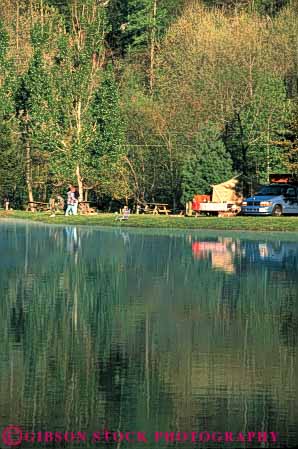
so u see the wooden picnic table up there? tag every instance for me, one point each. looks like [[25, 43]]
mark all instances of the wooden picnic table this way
[[159, 208], [37, 206], [85, 209]]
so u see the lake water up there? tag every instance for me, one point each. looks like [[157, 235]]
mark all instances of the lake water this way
[[147, 331]]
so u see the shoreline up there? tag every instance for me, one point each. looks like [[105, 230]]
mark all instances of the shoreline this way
[[256, 224]]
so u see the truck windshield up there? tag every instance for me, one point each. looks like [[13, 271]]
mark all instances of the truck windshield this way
[[272, 191]]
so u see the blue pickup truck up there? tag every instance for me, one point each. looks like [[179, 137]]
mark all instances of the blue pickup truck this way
[[274, 199]]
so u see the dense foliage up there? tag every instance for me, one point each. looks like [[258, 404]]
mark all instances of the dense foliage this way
[[145, 100]]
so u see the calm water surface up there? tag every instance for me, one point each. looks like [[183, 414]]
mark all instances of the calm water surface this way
[[148, 331]]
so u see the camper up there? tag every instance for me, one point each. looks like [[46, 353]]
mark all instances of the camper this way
[[225, 201]]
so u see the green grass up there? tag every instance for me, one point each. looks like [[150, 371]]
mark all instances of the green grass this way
[[289, 224]]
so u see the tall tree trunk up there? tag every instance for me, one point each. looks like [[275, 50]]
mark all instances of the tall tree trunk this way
[[41, 13], [28, 160], [17, 26], [244, 148], [152, 46], [172, 173], [79, 128], [29, 171], [80, 183], [268, 152], [31, 11]]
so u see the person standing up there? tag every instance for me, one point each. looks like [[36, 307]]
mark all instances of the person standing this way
[[76, 200], [70, 202]]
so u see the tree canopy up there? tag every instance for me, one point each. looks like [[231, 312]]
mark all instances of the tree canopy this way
[[145, 100]]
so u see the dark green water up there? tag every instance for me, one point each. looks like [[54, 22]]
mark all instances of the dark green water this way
[[148, 331]]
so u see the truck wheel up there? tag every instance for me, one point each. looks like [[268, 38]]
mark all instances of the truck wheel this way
[[277, 211]]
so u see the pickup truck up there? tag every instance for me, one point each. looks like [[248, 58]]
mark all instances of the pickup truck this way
[[274, 199]]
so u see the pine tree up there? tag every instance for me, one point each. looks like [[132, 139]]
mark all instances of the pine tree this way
[[137, 27], [208, 163], [34, 105], [108, 147], [250, 137], [11, 158]]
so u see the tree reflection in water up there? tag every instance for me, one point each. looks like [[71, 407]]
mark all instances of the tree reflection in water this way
[[147, 330]]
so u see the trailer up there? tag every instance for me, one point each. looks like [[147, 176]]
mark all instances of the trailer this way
[[225, 201], [220, 209]]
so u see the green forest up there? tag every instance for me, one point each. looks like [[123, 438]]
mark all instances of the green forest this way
[[145, 100]]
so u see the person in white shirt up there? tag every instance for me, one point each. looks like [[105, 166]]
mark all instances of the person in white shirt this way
[[70, 202]]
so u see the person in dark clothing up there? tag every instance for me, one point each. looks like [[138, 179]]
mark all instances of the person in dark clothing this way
[[76, 200]]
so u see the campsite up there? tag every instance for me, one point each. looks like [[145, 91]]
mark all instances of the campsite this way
[[148, 224]]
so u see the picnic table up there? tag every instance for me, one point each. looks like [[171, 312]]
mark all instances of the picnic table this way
[[85, 209], [37, 206], [158, 208]]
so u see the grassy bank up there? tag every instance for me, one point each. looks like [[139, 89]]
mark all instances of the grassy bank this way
[[289, 224]]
